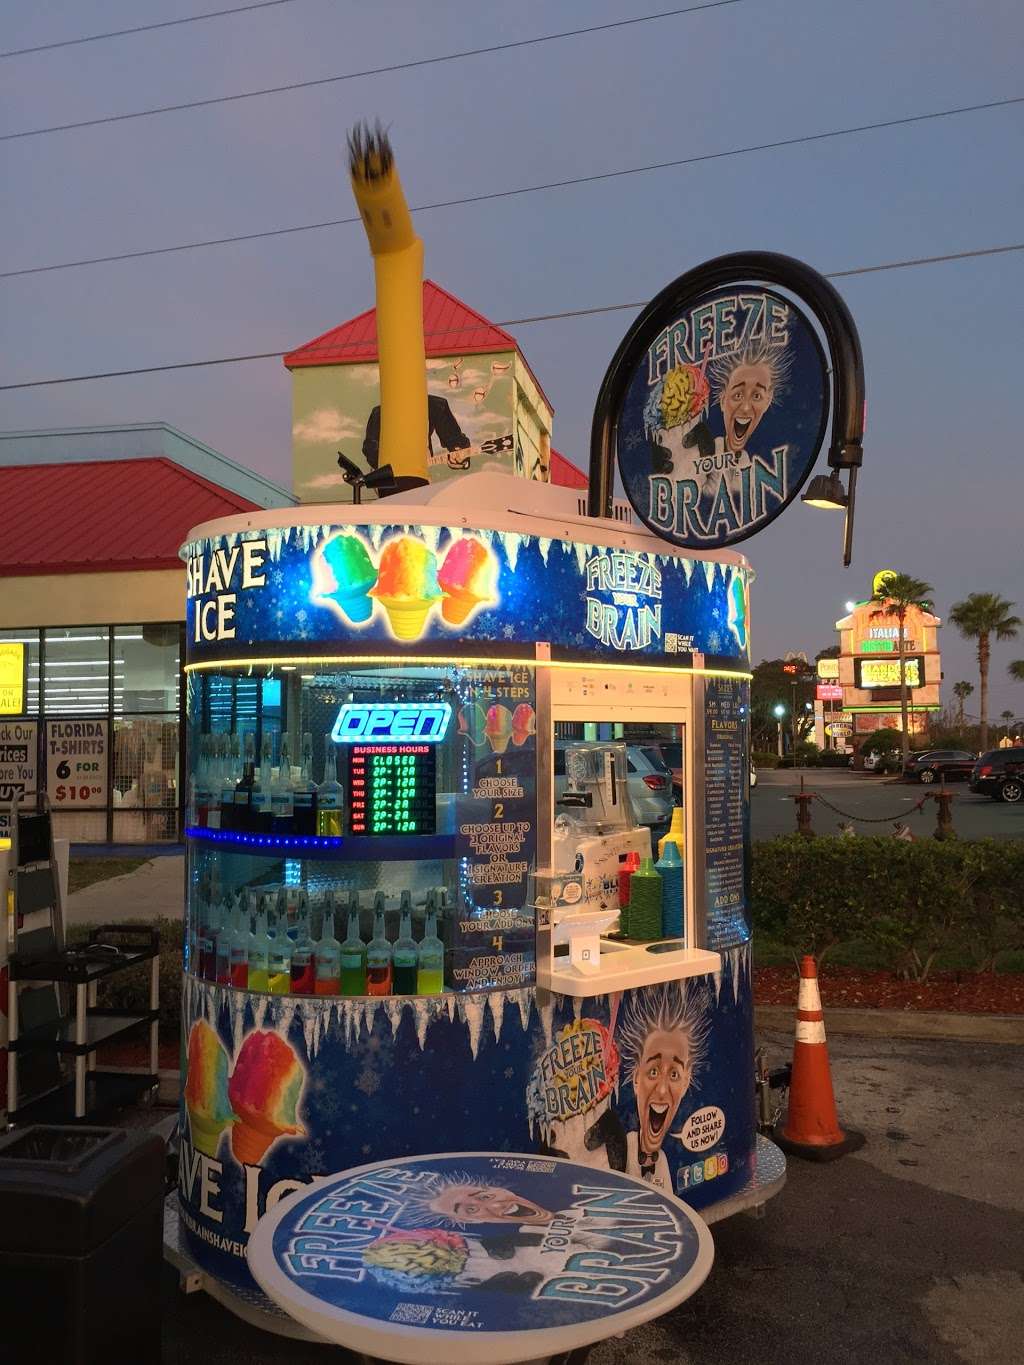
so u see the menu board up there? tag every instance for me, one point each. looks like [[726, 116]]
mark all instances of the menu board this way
[[494, 940], [726, 816], [391, 788]]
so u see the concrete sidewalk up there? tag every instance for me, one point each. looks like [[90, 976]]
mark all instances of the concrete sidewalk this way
[[154, 890]]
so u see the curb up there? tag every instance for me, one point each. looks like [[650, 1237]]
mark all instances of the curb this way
[[871, 1023]]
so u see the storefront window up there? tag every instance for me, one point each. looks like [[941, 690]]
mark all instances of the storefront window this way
[[29, 639], [146, 672], [145, 778], [76, 671], [105, 747]]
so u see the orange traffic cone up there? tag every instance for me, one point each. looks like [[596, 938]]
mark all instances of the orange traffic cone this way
[[811, 1126]]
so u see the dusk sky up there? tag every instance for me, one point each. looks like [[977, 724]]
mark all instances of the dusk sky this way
[[941, 494]]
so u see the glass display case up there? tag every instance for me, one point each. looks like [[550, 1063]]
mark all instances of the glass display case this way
[[346, 821]]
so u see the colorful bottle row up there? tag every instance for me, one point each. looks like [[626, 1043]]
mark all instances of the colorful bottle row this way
[[264, 952], [229, 791]]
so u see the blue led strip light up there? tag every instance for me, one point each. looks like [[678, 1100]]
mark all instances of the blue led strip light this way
[[283, 842], [332, 848]]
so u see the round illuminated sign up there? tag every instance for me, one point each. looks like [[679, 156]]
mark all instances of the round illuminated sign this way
[[723, 415]]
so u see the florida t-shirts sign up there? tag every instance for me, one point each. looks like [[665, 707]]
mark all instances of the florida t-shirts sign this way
[[723, 416]]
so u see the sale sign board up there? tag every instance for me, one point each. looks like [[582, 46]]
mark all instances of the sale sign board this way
[[12, 677], [18, 767], [76, 763]]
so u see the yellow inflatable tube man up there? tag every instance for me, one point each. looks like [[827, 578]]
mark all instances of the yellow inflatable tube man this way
[[398, 268]]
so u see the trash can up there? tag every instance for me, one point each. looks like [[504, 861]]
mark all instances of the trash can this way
[[81, 1219]]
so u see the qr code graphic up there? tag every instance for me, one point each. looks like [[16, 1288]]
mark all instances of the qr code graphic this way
[[671, 642], [416, 1313], [540, 1167]]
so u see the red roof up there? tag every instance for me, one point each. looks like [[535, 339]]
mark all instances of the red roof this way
[[565, 473], [450, 327], [104, 515]]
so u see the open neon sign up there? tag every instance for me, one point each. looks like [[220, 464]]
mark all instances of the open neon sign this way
[[363, 722]]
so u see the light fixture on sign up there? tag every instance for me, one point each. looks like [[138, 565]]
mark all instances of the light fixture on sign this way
[[826, 490], [392, 722]]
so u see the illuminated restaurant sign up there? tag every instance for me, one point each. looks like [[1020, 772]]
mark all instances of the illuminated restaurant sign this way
[[871, 673]]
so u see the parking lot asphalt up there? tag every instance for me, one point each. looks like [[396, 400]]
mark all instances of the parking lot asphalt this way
[[909, 1251], [772, 809]]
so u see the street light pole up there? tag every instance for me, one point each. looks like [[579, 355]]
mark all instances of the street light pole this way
[[778, 710], [793, 721]]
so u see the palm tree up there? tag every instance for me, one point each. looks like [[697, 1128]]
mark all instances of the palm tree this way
[[895, 595], [962, 690], [1016, 669], [978, 617], [1006, 717]]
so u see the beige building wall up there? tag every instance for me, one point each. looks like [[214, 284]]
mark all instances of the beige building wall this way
[[87, 599]]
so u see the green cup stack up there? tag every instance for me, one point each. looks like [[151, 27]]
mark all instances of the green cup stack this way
[[645, 895]]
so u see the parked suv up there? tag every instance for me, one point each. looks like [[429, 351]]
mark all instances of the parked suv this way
[[936, 763], [649, 780], [1000, 774]]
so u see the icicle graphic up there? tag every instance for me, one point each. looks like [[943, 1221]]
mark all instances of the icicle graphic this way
[[376, 535], [709, 572], [577, 1008], [423, 1015], [511, 540], [450, 1002], [274, 544], [309, 1018], [547, 1013], [393, 1008], [524, 999], [471, 1008], [582, 553], [496, 1004], [432, 535], [544, 546]]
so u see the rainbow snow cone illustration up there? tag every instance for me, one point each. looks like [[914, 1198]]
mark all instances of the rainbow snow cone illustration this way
[[467, 578], [206, 1088], [407, 585], [473, 724], [498, 728], [264, 1090], [420, 1260], [343, 575], [524, 723]]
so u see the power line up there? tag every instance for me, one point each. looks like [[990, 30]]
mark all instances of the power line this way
[[141, 28], [519, 190], [372, 71], [508, 322]]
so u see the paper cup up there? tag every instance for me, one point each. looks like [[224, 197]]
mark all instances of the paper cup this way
[[249, 1143], [407, 619], [358, 607], [457, 605], [206, 1133], [499, 743]]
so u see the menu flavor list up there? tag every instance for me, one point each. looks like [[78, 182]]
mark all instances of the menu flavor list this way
[[493, 935], [726, 817]]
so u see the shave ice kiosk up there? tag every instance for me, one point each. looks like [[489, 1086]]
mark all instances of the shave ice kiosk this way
[[433, 902]]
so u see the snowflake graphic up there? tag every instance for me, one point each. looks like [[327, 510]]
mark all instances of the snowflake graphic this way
[[510, 1071], [508, 631], [368, 1082], [632, 440]]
